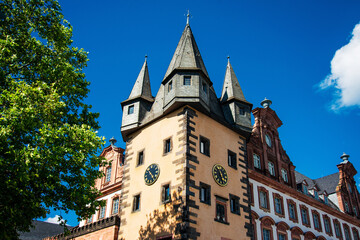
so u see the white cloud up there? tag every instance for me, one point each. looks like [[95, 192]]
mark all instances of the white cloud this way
[[345, 73], [54, 220]]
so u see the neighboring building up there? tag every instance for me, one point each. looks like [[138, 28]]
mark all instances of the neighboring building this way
[[196, 168], [42, 230], [288, 205]]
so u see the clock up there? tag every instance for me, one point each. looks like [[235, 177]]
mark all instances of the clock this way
[[268, 140], [152, 173], [220, 175]]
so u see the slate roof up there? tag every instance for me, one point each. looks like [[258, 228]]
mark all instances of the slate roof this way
[[231, 87], [142, 85], [42, 230], [327, 183]]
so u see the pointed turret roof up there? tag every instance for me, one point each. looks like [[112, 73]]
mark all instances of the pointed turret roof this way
[[231, 88], [187, 54], [142, 85]]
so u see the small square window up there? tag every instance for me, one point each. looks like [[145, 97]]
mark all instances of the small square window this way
[[170, 86], [241, 111], [136, 203], [115, 208], [232, 159], [108, 175], [204, 146], [165, 193], [187, 80], [205, 193], [167, 145], [131, 109], [234, 204], [140, 159]]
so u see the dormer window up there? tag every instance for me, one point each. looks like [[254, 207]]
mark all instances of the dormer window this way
[[316, 195], [187, 80], [204, 87], [326, 200], [305, 189], [131, 109]]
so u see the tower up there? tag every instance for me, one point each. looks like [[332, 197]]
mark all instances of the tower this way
[[185, 173]]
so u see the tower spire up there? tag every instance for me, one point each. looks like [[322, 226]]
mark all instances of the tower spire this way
[[142, 85]]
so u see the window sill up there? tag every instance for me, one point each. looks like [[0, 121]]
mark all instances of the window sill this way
[[280, 215], [265, 209], [207, 203], [216, 220]]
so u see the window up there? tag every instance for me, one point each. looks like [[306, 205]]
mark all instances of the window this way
[[347, 207], [234, 204], [337, 229], [251, 196], [140, 159], [327, 225], [316, 195], [108, 175], [170, 86], [131, 109], [355, 211], [115, 207], [266, 234], [204, 87], [205, 193], [355, 234], [278, 205], [221, 210], [136, 203], [305, 189], [349, 187], [305, 215], [165, 193], [271, 168], [102, 212], [326, 199], [241, 111], [292, 211], [281, 236], [187, 80], [204, 146], [263, 199], [257, 163], [284, 175], [232, 159], [347, 232], [167, 145], [316, 219]]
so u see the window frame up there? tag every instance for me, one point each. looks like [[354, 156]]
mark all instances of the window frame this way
[[292, 202], [142, 155], [221, 202], [205, 142], [232, 159], [165, 193], [102, 210], [337, 223], [108, 174], [207, 193], [136, 202], [272, 172], [283, 170], [187, 79], [281, 199], [347, 229], [264, 190], [326, 217], [316, 215], [257, 160], [234, 201], [131, 109], [306, 209], [168, 145], [355, 233], [170, 86], [113, 205]]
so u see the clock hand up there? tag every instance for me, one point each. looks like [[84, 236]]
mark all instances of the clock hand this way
[[151, 174]]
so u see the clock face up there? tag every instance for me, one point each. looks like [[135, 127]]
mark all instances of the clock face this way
[[151, 174], [268, 140], [220, 175]]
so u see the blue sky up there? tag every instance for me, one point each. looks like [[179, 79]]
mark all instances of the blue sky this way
[[281, 50]]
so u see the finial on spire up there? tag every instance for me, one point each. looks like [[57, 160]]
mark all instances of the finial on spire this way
[[345, 157], [146, 57], [112, 141], [188, 18], [228, 58]]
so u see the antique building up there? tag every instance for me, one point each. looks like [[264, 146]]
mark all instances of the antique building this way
[[288, 205], [196, 168]]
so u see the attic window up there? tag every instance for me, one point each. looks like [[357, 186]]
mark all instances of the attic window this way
[[305, 189], [131, 109], [241, 111], [316, 195], [187, 80], [204, 87]]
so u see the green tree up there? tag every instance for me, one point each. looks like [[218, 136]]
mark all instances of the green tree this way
[[48, 137]]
